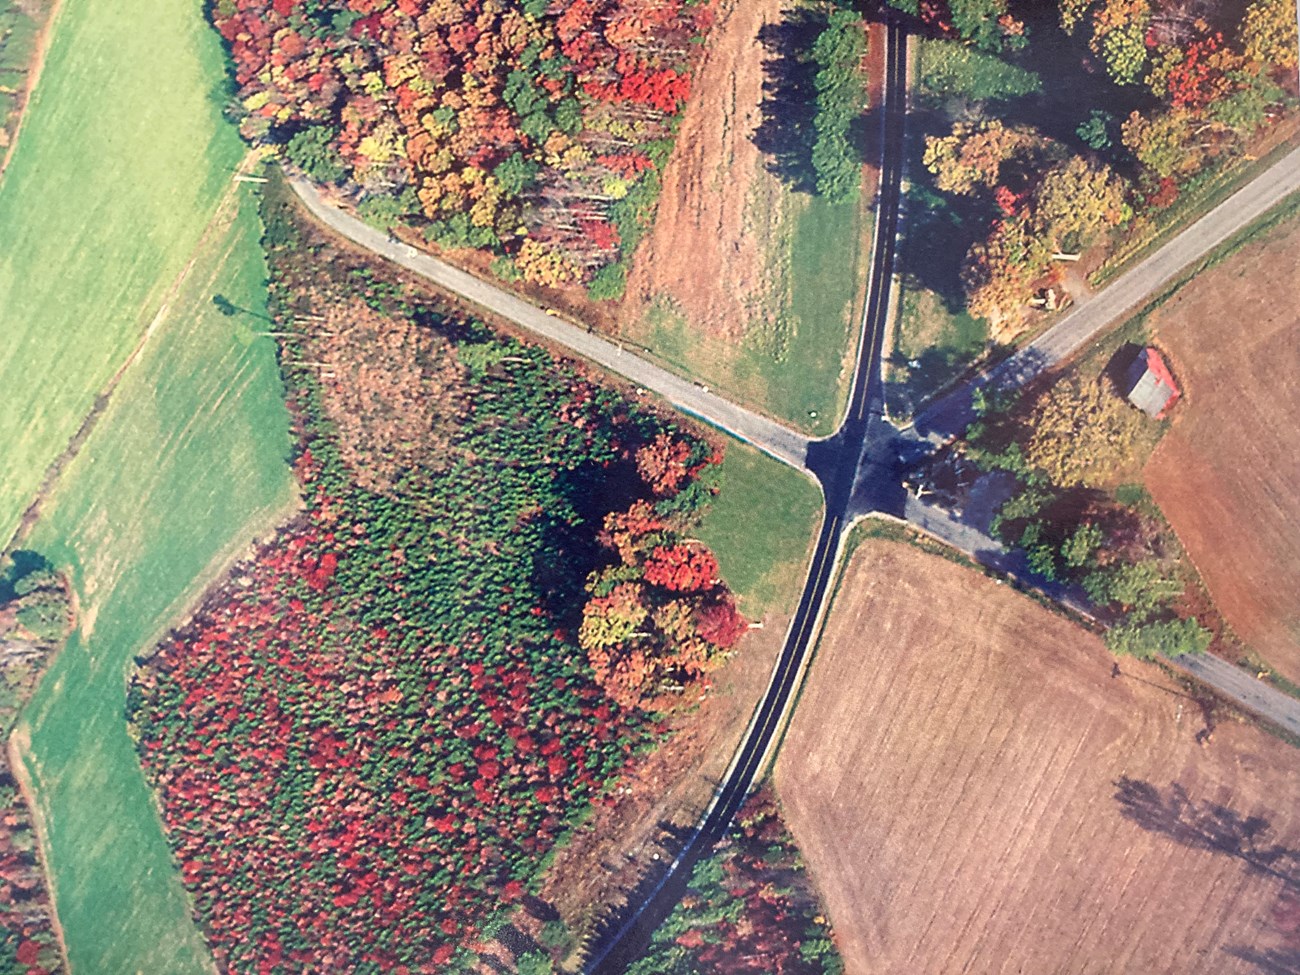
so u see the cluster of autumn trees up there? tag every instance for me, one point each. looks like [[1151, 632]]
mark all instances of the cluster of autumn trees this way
[[1064, 445], [34, 619], [534, 128], [372, 733], [1206, 88], [749, 910], [659, 617]]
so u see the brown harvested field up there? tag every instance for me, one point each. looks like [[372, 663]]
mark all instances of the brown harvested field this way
[[1227, 474], [974, 792], [704, 251]]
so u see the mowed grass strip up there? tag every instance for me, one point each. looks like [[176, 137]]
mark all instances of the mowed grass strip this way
[[122, 159], [186, 464], [761, 527], [827, 265]]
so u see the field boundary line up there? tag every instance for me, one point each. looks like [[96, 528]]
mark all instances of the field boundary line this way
[[44, 39], [222, 217], [15, 750]]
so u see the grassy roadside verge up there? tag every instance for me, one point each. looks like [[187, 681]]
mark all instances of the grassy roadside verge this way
[[761, 526], [200, 424], [798, 368]]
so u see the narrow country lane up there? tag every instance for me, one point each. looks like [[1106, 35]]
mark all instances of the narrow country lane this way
[[837, 463], [769, 436], [1227, 680]]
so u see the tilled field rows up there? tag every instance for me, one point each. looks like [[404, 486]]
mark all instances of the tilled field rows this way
[[1225, 475], [965, 777]]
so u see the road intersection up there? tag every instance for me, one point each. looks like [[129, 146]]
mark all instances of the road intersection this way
[[860, 467]]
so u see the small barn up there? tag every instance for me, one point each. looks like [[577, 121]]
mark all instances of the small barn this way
[[1150, 387]]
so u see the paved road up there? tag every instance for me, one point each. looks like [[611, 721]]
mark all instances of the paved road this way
[[1237, 685], [949, 416], [1228, 680], [769, 436], [836, 463]]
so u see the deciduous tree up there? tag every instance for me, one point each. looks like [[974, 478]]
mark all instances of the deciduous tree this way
[[1079, 200], [1269, 35]]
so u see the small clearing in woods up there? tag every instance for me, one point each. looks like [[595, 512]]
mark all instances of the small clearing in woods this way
[[1225, 473], [974, 791]]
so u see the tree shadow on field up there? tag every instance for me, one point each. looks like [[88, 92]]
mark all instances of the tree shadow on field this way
[[1209, 826], [1283, 926], [1270, 961], [786, 133], [938, 228]]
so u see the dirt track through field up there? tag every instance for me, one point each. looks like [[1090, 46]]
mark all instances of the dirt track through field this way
[[1226, 474], [975, 792]]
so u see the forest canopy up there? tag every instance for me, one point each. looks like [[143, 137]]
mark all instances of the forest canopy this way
[[531, 128]]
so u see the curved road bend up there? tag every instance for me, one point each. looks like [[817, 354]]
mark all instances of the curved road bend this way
[[948, 416], [835, 461], [767, 435]]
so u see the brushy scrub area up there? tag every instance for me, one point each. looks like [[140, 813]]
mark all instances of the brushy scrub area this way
[[376, 727]]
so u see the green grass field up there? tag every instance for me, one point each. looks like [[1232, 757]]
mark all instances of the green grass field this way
[[761, 527], [122, 158], [186, 461]]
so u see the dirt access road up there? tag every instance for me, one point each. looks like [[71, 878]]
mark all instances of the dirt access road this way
[[974, 791]]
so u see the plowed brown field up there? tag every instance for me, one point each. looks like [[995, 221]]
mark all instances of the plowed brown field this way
[[1227, 474], [975, 792], [703, 251]]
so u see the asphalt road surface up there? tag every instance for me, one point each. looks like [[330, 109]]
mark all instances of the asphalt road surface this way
[[837, 463], [769, 436], [950, 415]]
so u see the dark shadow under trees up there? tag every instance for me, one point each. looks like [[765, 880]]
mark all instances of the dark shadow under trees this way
[[786, 134]]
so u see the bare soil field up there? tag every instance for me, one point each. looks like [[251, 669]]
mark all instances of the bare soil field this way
[[704, 251], [976, 791], [1225, 475]]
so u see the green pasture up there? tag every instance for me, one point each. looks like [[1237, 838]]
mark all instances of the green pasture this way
[[761, 527], [187, 462], [122, 159]]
